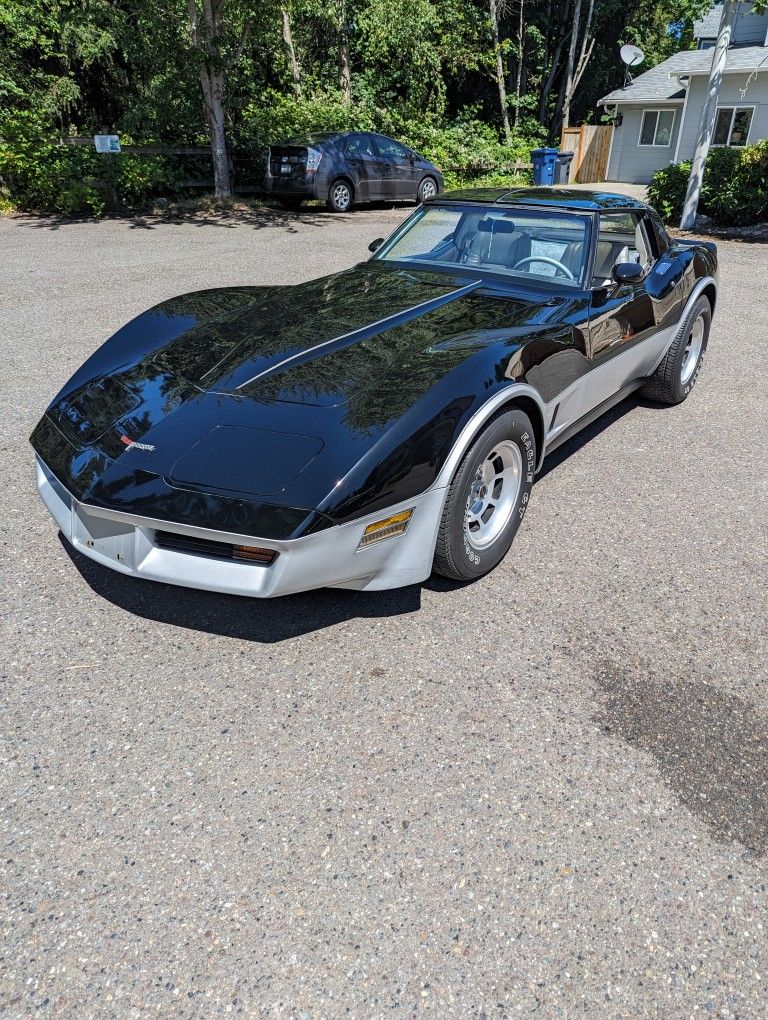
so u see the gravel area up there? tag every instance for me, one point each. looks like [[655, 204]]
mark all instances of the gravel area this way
[[544, 794]]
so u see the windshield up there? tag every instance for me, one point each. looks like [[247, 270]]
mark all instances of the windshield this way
[[517, 242]]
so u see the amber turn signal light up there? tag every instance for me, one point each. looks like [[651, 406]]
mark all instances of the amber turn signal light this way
[[389, 527], [253, 553]]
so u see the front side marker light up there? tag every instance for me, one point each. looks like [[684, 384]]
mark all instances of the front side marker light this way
[[254, 554], [389, 527]]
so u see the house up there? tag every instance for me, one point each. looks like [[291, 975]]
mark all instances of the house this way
[[656, 116]]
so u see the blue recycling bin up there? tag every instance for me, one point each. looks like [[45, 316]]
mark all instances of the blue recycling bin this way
[[544, 163]]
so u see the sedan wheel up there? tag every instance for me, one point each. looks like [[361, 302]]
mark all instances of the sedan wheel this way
[[487, 499], [340, 196], [427, 189]]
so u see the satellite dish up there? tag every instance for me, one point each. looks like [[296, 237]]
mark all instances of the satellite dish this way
[[631, 55]]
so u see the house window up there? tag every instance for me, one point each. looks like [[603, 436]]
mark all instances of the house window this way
[[707, 44], [732, 125], [657, 126]]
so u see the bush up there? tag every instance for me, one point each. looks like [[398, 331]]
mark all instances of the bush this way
[[734, 191], [45, 177]]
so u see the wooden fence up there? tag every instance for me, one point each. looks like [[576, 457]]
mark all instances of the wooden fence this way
[[590, 145], [236, 159]]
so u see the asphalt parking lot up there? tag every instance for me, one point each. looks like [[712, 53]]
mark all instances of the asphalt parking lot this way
[[544, 794]]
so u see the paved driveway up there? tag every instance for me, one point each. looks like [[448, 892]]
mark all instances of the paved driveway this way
[[543, 794]]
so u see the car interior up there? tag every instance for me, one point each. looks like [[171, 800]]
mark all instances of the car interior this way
[[540, 246]]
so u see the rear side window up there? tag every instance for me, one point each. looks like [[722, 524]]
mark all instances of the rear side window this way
[[358, 145], [388, 147]]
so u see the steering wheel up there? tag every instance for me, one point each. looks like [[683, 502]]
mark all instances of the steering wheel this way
[[550, 262]]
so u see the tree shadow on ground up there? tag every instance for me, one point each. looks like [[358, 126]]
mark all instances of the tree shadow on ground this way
[[257, 218]]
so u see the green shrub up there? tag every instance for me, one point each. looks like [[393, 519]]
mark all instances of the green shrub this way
[[45, 177], [666, 192], [734, 191]]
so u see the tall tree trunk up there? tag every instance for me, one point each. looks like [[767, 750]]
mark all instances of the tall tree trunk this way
[[571, 63], [212, 82], [205, 39], [545, 92], [345, 73], [494, 10], [291, 53], [708, 115], [519, 75]]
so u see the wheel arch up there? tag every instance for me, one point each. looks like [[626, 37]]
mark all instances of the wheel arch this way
[[710, 293], [519, 395], [342, 176]]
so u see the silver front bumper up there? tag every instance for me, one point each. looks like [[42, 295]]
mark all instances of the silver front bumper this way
[[330, 558]]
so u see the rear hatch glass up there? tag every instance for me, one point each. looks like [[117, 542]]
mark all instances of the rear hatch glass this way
[[288, 161]]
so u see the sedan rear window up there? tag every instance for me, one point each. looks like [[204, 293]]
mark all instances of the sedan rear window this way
[[517, 242]]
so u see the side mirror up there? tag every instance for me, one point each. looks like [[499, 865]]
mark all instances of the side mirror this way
[[375, 245], [627, 272]]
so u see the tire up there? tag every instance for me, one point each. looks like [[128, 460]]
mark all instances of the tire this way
[[471, 541], [341, 196], [292, 202], [427, 189], [676, 376]]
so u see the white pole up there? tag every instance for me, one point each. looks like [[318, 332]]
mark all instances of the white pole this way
[[708, 115]]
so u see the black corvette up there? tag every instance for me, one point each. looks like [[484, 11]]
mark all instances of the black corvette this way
[[364, 429]]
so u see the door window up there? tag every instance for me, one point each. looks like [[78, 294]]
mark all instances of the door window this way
[[358, 145], [390, 148], [622, 238]]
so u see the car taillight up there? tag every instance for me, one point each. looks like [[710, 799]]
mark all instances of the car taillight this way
[[313, 160]]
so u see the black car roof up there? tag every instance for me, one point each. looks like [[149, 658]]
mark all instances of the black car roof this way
[[559, 198]]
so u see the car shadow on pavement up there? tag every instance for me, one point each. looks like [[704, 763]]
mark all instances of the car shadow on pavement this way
[[580, 440], [262, 620]]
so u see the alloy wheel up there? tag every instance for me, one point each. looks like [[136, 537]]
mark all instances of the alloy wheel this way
[[493, 494], [692, 351]]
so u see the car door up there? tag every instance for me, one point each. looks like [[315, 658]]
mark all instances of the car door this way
[[631, 324], [362, 164], [398, 169]]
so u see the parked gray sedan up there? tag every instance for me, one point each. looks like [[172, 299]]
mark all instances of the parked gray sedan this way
[[344, 168]]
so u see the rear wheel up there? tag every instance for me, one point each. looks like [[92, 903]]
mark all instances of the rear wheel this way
[[290, 201], [340, 196], [676, 376], [427, 189], [487, 499]]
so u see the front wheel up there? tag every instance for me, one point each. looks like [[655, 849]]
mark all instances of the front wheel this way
[[340, 196], [427, 189], [487, 499]]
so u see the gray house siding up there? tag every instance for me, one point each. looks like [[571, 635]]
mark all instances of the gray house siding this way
[[749, 29], [730, 95], [633, 163]]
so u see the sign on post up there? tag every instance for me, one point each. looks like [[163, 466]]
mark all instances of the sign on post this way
[[106, 143]]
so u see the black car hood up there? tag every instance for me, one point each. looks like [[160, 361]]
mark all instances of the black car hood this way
[[269, 396]]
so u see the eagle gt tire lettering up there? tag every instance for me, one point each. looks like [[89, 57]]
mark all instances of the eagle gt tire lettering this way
[[487, 498]]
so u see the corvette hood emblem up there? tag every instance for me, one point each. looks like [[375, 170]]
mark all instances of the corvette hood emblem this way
[[131, 444]]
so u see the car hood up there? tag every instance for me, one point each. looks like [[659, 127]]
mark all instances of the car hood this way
[[268, 396]]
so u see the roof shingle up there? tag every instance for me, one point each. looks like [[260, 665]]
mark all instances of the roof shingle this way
[[660, 83]]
